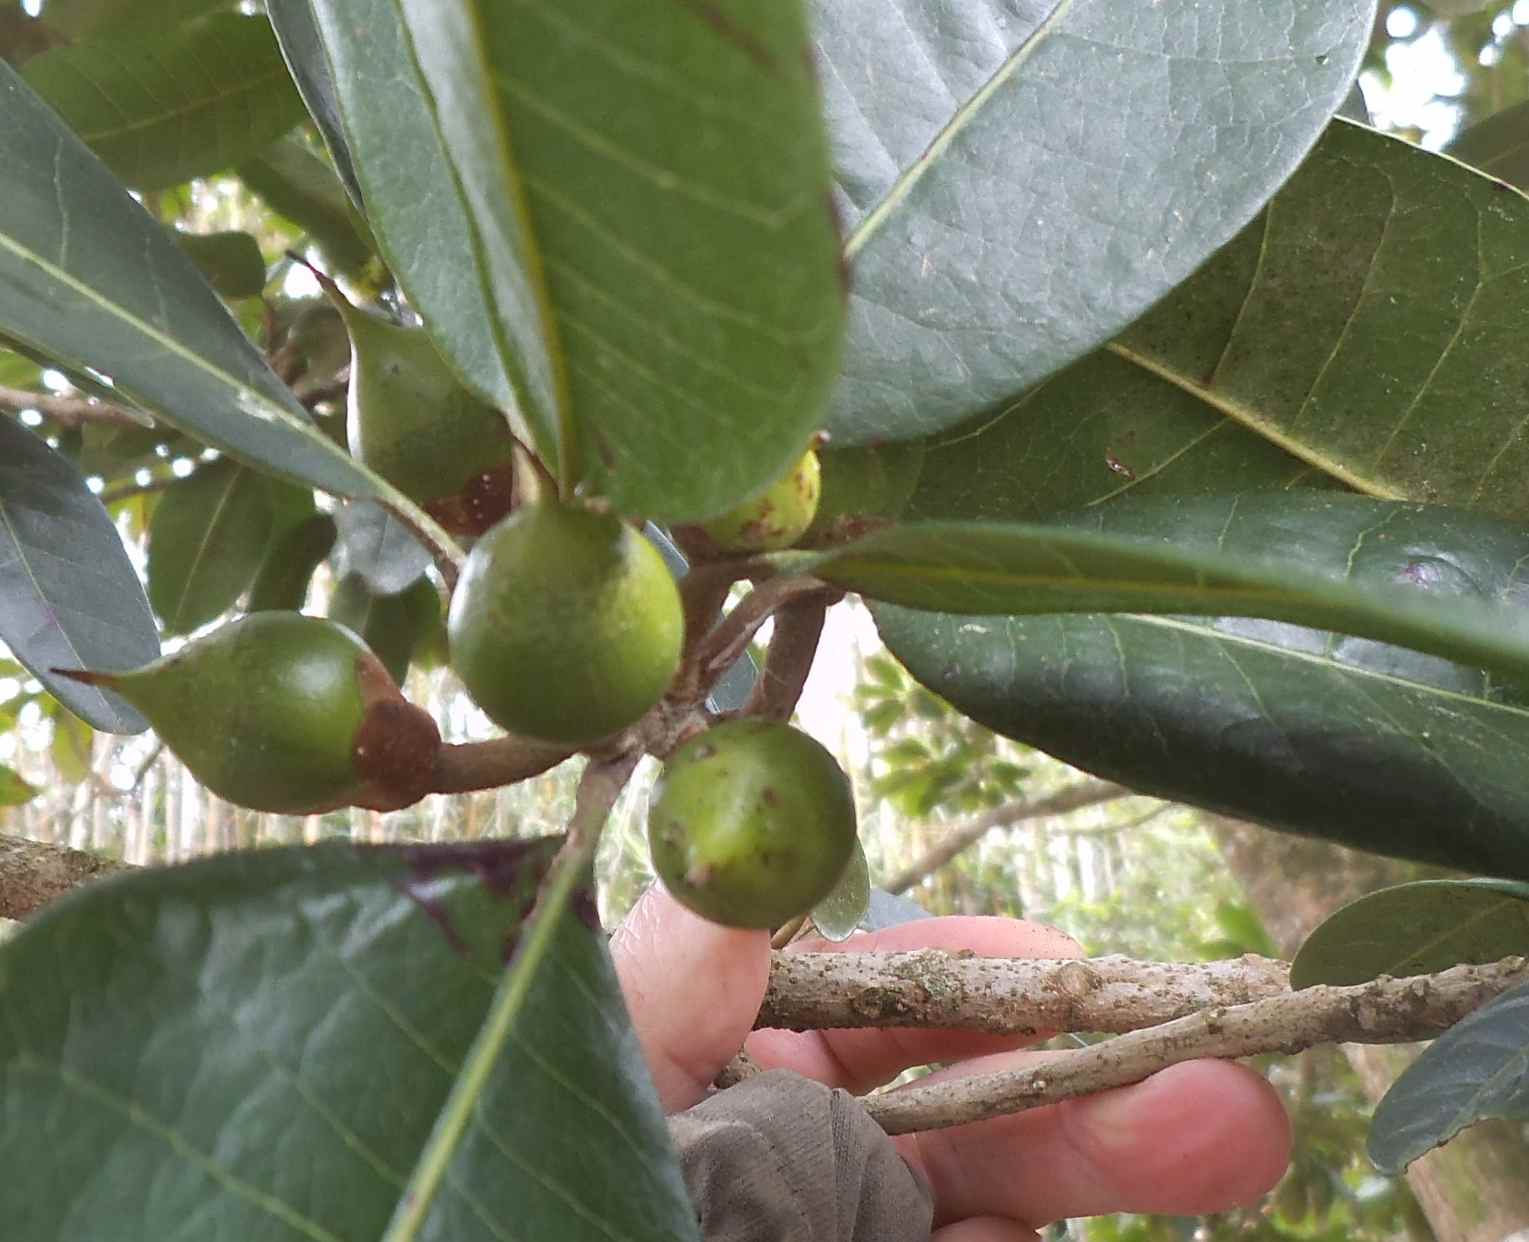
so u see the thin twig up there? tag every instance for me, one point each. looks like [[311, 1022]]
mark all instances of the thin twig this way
[[466, 766], [1072, 798], [786, 932], [1384, 1011], [70, 412], [793, 648], [732, 635]]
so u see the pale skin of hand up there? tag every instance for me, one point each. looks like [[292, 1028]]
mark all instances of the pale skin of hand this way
[[1199, 1137]]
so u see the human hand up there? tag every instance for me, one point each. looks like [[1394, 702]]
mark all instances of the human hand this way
[[1198, 1137]]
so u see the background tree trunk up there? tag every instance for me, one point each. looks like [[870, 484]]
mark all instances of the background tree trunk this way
[[1474, 1189]]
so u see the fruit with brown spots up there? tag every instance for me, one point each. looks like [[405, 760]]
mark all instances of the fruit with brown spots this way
[[777, 518], [751, 823]]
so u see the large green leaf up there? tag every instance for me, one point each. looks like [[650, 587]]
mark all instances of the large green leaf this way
[[162, 108], [230, 260], [1416, 929], [296, 182], [354, 55], [1498, 145], [262, 1044], [1024, 179], [69, 596], [1362, 332], [653, 264], [1372, 745], [206, 543], [1271, 555], [296, 26], [89, 279], [1479, 1068], [79, 18]]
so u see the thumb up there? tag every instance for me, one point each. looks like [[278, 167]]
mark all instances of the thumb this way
[[693, 989]]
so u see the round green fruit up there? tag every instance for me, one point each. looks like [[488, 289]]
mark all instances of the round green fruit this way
[[751, 823], [777, 518], [566, 625]]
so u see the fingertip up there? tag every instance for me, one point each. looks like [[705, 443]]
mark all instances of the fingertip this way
[[692, 987], [1210, 1135]]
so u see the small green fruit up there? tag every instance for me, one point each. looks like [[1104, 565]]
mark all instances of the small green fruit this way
[[566, 624], [751, 823], [285, 713], [776, 519], [411, 420]]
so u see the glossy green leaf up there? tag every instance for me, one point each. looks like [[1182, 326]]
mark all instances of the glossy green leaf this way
[[1371, 745], [289, 565], [378, 547], [352, 57], [1030, 177], [79, 18], [13, 790], [1086, 566], [264, 1043], [206, 543], [1497, 145], [18, 371], [72, 747], [838, 916], [160, 108], [1416, 929], [1392, 280], [89, 279], [296, 183], [69, 596], [231, 261], [653, 265], [296, 27], [393, 626], [1477, 1069]]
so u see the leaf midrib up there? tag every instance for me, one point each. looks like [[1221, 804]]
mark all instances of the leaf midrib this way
[[192, 108], [1308, 657], [952, 129], [1248, 418]]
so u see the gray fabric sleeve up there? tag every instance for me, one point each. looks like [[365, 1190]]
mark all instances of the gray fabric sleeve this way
[[780, 1158]]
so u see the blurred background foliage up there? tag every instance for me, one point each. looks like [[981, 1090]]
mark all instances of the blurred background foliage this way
[[1123, 874]]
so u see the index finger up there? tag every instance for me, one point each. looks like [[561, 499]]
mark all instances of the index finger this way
[[858, 1060]]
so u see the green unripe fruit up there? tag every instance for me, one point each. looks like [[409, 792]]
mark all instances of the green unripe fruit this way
[[863, 488], [287, 714], [411, 420], [751, 824], [777, 518], [566, 624]]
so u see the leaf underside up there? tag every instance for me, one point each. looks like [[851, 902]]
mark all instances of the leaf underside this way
[[262, 1043]]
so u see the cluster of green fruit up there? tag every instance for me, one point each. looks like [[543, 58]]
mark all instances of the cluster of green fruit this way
[[566, 627]]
